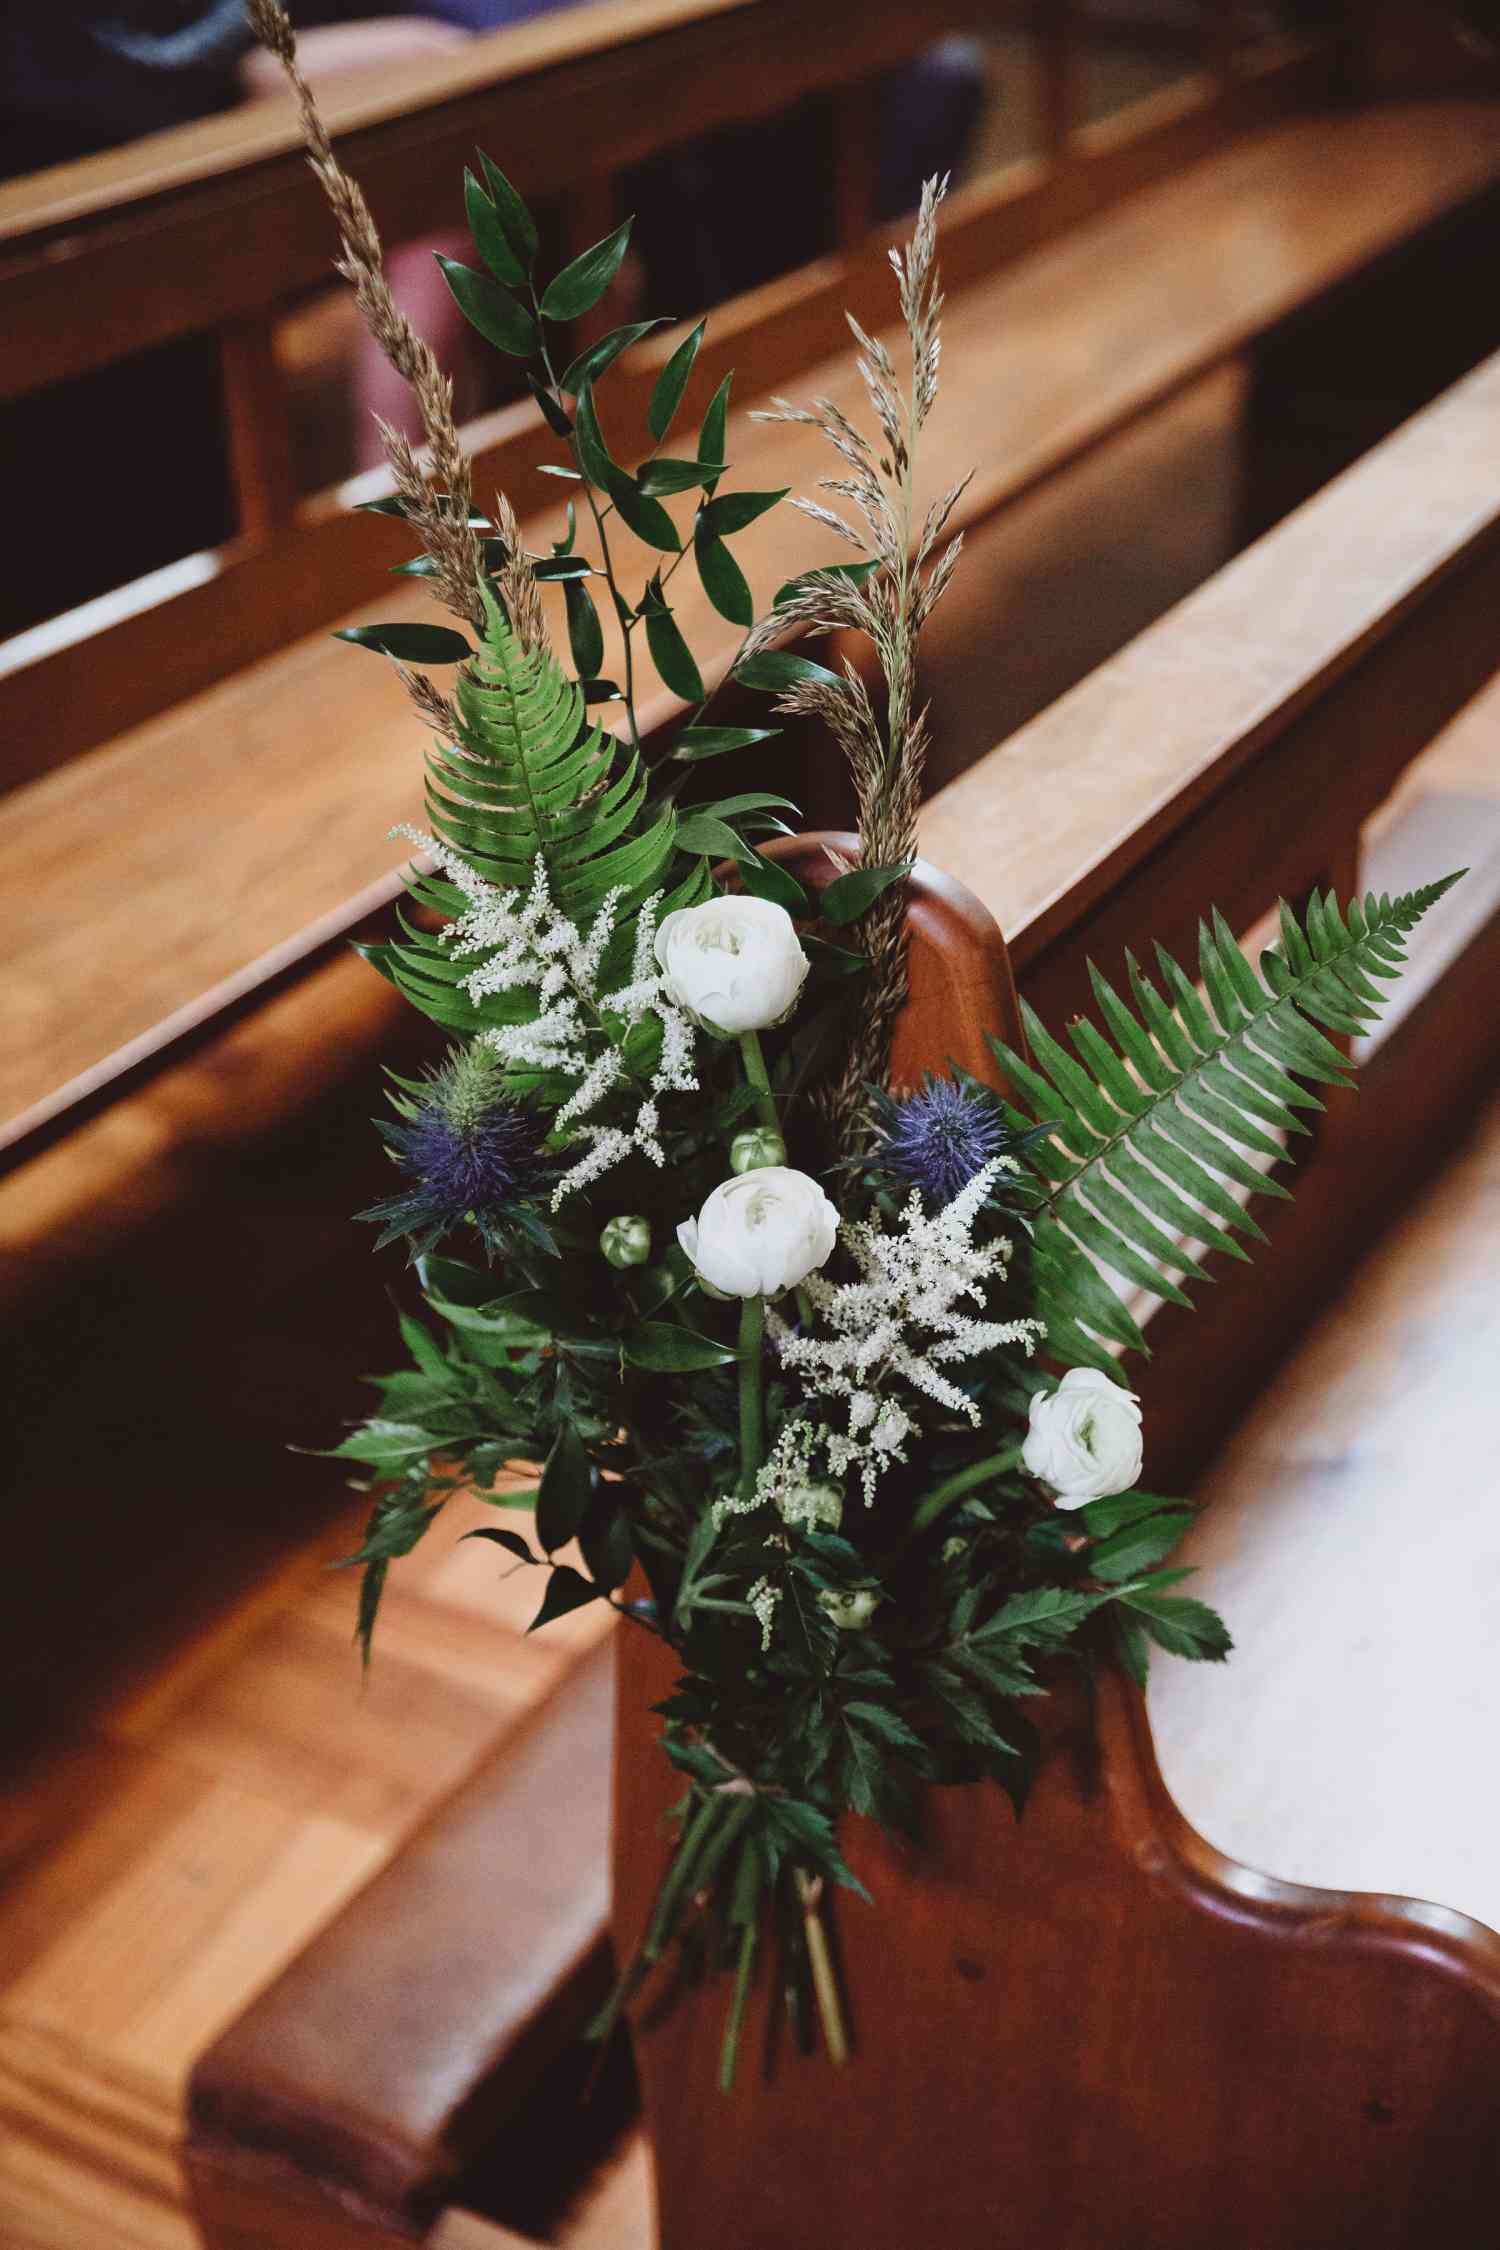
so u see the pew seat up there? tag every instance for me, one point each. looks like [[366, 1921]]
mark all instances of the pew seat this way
[[186, 868], [354, 2091]]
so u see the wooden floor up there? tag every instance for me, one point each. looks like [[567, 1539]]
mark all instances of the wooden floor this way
[[163, 1866]]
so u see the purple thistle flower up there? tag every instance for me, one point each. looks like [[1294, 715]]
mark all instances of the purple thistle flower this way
[[468, 1149], [470, 1163], [938, 1138]]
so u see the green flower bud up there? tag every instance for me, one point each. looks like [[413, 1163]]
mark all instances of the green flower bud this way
[[755, 1149], [626, 1241], [851, 1611]]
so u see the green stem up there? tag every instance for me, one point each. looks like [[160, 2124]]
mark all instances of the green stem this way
[[953, 1488], [729, 2053], [676, 1879], [752, 1406], [820, 1960], [588, 493], [757, 1077]]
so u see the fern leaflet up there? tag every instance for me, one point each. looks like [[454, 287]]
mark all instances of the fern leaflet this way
[[529, 779], [1152, 1135]]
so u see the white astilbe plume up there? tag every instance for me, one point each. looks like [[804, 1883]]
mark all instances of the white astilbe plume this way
[[898, 1327], [530, 946]]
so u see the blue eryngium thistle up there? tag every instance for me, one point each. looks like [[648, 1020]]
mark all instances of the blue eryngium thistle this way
[[937, 1138], [470, 1152]]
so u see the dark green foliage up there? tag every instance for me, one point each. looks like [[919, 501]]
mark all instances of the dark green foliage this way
[[518, 224], [696, 743], [409, 644], [722, 578], [669, 651], [490, 309], [672, 382], [776, 669], [593, 361], [851, 896], [581, 285], [490, 238]]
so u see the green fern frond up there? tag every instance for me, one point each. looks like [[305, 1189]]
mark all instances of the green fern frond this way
[[530, 778], [1152, 1135]]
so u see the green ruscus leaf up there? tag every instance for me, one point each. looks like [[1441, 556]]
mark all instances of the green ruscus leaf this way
[[666, 397], [567, 1487], [585, 633], [581, 284], [722, 578], [515, 219], [673, 659], [490, 309], [409, 644], [490, 238], [666, 1349]]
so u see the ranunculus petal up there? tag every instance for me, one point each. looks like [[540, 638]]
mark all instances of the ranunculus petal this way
[[761, 1232], [1084, 1438], [734, 963]]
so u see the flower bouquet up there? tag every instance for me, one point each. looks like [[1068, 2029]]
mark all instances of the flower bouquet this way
[[823, 1372]]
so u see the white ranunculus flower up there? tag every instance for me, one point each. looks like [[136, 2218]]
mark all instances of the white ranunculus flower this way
[[761, 1232], [1085, 1438], [733, 963]]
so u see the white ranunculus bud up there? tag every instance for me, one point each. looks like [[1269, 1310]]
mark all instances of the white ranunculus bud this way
[[850, 1612], [761, 1232], [755, 1149], [1085, 1438], [735, 964], [626, 1241]]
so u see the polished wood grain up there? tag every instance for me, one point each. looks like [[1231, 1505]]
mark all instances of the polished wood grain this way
[[1044, 2011], [211, 148], [181, 1846], [1078, 804]]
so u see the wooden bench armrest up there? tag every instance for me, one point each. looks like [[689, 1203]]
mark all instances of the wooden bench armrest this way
[[389, 2048]]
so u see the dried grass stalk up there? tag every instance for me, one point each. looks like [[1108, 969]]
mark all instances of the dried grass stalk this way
[[439, 507], [886, 760], [435, 708]]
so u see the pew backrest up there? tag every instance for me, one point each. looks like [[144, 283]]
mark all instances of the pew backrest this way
[[218, 226]]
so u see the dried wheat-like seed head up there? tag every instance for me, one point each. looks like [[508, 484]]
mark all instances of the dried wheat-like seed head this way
[[886, 758], [439, 510]]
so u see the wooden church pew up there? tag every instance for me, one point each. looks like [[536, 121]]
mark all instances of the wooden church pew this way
[[483, 1940], [217, 225], [1090, 334], [1365, 619]]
